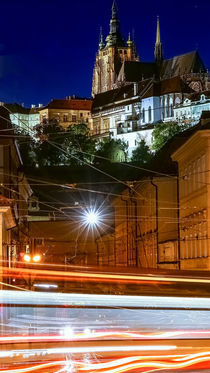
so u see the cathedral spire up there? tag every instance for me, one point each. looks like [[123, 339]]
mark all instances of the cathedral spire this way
[[115, 38], [114, 10], [158, 44], [101, 40]]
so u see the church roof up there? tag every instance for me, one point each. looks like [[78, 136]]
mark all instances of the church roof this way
[[166, 86], [134, 71], [181, 65]]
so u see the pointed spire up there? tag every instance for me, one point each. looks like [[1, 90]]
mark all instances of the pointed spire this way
[[114, 10], [101, 40], [158, 31], [115, 38], [158, 44], [129, 42]]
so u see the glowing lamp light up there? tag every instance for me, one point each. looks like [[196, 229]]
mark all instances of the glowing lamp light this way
[[27, 258], [37, 258], [91, 217]]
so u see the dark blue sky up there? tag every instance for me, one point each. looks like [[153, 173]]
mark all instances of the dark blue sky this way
[[47, 48]]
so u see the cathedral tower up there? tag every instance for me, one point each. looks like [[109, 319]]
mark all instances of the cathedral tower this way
[[158, 44], [111, 55]]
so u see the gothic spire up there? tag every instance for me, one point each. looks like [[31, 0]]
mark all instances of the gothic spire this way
[[115, 38], [158, 44], [114, 10], [101, 40]]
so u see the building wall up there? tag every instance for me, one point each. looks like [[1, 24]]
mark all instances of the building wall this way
[[194, 164], [66, 117], [191, 111], [146, 225]]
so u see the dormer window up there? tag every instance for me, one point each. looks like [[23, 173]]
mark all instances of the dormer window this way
[[203, 98]]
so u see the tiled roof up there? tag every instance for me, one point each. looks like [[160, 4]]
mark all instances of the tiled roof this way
[[197, 95], [181, 65], [119, 94], [71, 104], [134, 71], [166, 86]]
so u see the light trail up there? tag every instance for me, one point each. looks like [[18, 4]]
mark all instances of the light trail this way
[[98, 300], [85, 350], [93, 335], [105, 276], [123, 365]]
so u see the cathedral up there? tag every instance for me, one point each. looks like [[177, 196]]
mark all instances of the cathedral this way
[[117, 62]]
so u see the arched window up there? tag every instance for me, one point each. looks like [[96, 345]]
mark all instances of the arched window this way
[[150, 114], [143, 115]]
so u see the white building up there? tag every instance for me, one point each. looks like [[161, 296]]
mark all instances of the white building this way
[[130, 113], [191, 109], [24, 118]]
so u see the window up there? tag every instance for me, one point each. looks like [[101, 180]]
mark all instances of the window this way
[[81, 115], [143, 115], [150, 114], [74, 118], [65, 118]]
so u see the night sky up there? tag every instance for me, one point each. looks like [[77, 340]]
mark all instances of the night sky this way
[[47, 48]]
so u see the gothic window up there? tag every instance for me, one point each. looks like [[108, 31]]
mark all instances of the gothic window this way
[[143, 115], [150, 114]]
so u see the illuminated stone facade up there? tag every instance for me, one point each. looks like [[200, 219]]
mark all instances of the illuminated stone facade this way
[[111, 55]]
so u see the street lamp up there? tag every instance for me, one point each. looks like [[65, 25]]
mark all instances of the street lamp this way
[[92, 217]]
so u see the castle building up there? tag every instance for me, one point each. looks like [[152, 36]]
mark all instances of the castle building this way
[[111, 55], [130, 96]]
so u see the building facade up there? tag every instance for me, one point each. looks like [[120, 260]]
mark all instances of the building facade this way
[[162, 220], [68, 112], [160, 86], [191, 109], [24, 118], [110, 56], [130, 113]]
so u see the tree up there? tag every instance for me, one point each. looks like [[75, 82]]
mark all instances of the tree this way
[[165, 131], [142, 153], [79, 145], [50, 140], [27, 147], [56, 146], [111, 150]]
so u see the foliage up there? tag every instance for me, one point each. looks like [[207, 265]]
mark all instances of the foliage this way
[[27, 147], [53, 146], [142, 153], [165, 131], [79, 146], [111, 150]]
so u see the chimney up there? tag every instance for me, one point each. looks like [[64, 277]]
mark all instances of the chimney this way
[[40, 105], [33, 106]]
